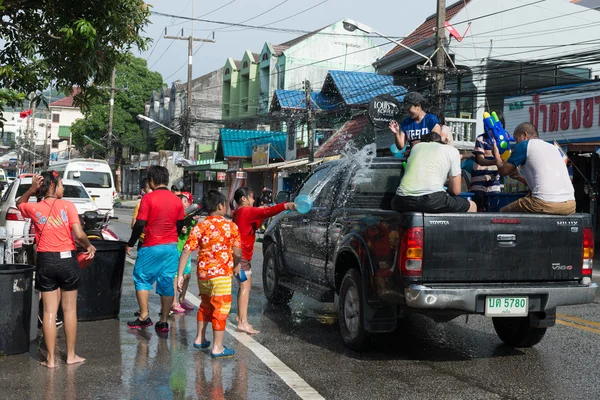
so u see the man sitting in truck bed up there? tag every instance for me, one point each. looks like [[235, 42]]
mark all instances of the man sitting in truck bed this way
[[545, 171], [431, 163]]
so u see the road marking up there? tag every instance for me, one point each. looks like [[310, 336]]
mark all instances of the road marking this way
[[582, 327], [578, 320], [292, 379]]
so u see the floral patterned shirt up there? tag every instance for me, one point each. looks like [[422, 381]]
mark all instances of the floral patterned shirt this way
[[214, 238]]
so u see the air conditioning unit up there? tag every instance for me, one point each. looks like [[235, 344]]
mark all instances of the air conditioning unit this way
[[263, 127]]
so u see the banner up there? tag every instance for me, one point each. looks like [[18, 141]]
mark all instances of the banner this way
[[260, 154], [383, 109]]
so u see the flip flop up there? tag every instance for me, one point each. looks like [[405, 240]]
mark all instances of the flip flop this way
[[226, 353], [203, 345]]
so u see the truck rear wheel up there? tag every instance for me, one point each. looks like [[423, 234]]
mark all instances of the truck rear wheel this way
[[275, 293], [351, 311], [517, 331]]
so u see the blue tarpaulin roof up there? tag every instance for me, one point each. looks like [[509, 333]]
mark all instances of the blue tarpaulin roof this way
[[358, 88], [296, 100], [239, 143]]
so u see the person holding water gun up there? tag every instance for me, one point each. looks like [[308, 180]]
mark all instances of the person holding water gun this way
[[417, 124], [248, 220], [484, 176]]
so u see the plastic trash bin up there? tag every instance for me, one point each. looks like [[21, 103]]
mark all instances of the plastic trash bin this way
[[16, 286], [498, 200], [35, 309], [99, 295]]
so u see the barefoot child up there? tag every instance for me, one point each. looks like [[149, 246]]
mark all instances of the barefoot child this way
[[248, 219], [219, 252]]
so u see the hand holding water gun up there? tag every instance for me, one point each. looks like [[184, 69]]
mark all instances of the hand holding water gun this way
[[496, 131]]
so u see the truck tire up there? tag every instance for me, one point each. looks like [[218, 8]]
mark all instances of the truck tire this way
[[275, 293], [517, 331], [351, 311]]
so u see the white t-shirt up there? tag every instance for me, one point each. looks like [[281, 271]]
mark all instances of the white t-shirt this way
[[428, 168], [544, 169]]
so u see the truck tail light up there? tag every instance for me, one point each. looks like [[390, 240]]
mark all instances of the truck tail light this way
[[588, 251], [13, 214], [411, 252]]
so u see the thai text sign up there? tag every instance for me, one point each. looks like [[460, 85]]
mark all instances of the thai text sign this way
[[567, 114], [260, 154]]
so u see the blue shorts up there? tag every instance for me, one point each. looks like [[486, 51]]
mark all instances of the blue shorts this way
[[156, 264]]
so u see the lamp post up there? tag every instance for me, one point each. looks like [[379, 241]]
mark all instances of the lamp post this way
[[350, 25], [148, 119]]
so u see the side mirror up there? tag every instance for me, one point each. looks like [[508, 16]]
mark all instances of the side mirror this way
[[283, 197]]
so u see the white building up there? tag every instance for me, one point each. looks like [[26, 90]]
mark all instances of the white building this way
[[63, 114], [511, 47]]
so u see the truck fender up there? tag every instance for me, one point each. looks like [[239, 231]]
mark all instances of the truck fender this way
[[353, 245]]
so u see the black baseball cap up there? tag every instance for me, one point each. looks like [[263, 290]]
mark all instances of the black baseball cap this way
[[413, 99]]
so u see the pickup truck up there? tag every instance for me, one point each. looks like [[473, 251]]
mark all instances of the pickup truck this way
[[514, 268]]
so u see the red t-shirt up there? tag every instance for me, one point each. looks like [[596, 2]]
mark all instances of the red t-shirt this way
[[52, 220], [161, 210], [248, 220]]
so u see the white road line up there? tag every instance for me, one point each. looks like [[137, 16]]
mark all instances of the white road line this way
[[292, 379]]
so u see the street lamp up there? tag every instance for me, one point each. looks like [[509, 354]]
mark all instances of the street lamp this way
[[148, 119], [350, 25]]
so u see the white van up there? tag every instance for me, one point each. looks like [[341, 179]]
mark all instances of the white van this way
[[95, 175]]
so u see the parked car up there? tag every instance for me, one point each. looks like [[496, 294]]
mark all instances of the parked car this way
[[514, 268], [11, 217]]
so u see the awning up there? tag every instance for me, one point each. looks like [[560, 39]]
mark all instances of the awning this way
[[64, 132], [295, 164], [267, 167], [219, 166]]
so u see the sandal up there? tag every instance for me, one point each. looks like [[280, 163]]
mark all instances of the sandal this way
[[225, 353], [203, 345], [177, 309]]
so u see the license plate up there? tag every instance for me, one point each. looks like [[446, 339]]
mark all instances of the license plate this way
[[506, 306]]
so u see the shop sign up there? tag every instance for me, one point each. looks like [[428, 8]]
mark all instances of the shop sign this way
[[260, 154], [383, 109], [561, 115], [241, 175], [210, 175], [221, 176]]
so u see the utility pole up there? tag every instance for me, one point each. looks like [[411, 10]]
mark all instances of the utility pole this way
[[188, 107], [109, 148], [440, 59], [309, 122], [46, 152]]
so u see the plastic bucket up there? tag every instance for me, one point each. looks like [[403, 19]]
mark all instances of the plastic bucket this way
[[495, 201], [16, 287], [303, 203], [99, 295]]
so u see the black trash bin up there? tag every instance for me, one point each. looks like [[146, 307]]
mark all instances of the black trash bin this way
[[99, 295], [16, 286]]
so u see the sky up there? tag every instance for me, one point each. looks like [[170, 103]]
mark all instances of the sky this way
[[395, 18]]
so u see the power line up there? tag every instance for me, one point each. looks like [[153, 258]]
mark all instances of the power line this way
[[208, 13], [259, 15]]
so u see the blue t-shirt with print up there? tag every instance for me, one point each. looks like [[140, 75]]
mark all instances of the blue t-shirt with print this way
[[415, 130]]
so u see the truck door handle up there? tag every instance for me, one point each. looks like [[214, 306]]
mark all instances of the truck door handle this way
[[506, 240], [286, 226]]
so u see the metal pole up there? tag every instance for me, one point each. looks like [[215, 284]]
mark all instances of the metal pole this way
[[109, 150], [309, 128], [440, 60], [187, 133]]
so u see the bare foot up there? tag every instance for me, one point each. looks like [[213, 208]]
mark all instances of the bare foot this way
[[75, 360], [48, 364], [247, 328]]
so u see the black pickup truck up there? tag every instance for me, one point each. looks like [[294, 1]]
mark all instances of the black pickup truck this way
[[515, 268]]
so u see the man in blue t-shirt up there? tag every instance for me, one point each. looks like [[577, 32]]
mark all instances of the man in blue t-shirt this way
[[417, 124]]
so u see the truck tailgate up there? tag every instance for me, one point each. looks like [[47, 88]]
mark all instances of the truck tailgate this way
[[490, 247]]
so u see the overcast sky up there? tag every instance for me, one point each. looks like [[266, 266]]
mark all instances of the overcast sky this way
[[390, 17]]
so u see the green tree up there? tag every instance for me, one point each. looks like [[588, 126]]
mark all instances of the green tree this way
[[134, 83], [65, 43]]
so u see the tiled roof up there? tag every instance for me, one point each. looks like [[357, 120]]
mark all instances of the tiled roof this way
[[256, 57], [358, 88], [296, 100], [238, 64], [239, 143], [67, 101], [279, 49], [426, 30], [349, 131]]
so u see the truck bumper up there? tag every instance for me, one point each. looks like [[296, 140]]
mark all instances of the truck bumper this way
[[472, 300]]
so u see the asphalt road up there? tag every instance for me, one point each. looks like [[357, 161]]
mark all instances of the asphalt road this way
[[299, 354]]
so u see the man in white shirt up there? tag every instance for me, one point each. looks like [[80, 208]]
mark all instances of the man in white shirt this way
[[430, 165], [545, 171]]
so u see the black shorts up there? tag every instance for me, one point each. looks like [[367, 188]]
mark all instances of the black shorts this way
[[438, 202], [54, 272]]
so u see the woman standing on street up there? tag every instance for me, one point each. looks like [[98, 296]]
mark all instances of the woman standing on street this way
[[248, 219], [57, 274]]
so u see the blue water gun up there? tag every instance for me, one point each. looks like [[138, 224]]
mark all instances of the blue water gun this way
[[495, 130]]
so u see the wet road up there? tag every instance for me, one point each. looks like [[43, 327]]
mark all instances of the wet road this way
[[462, 359]]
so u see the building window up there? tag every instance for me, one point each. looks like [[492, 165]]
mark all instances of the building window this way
[[55, 118], [55, 144], [265, 57], [245, 65], [227, 71]]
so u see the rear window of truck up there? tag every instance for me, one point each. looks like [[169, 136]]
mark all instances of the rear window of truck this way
[[375, 187]]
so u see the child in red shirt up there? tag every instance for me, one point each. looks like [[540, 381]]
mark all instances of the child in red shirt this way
[[248, 219]]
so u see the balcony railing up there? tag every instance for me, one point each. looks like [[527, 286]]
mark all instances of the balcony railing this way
[[464, 131]]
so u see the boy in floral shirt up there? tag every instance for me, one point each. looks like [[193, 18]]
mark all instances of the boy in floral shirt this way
[[219, 253]]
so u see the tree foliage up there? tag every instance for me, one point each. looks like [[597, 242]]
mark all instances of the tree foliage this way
[[65, 43], [134, 84]]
